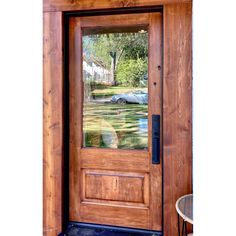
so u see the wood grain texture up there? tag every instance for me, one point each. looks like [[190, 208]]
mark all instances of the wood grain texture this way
[[115, 20], [114, 186], [75, 110], [177, 108], [53, 126], [155, 107], [177, 135], [95, 198], [109, 159], [137, 217], [69, 5]]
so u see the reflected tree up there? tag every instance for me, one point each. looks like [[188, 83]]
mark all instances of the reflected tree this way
[[114, 49]]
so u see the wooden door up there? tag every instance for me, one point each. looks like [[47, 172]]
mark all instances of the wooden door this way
[[113, 180]]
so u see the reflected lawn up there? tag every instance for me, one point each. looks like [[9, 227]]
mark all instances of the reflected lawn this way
[[111, 125], [109, 91]]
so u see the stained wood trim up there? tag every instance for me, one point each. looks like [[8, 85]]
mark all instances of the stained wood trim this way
[[177, 110], [155, 107], [75, 111], [110, 159], [115, 20], [128, 215], [53, 124], [72, 5]]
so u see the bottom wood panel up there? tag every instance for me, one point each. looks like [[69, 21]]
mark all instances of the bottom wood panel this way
[[115, 187], [114, 215]]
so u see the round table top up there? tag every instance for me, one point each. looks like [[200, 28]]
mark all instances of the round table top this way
[[184, 207]]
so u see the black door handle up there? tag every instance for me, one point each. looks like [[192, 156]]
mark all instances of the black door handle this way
[[156, 139]]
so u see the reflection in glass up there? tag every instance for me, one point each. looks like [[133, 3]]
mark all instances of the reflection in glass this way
[[115, 75]]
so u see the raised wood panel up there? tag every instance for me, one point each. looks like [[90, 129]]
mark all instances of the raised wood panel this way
[[177, 110], [68, 5], [137, 217], [115, 186], [53, 124], [111, 159]]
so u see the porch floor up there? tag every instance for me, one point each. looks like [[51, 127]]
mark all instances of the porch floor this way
[[80, 229]]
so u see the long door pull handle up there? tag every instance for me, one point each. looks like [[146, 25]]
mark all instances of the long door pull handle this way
[[156, 138]]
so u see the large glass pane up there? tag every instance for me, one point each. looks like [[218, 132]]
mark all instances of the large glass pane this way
[[115, 76]]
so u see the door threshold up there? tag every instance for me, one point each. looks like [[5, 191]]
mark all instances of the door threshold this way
[[86, 229]]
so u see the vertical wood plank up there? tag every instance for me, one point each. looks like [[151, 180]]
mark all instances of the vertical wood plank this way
[[177, 108], [155, 107], [76, 104], [52, 126]]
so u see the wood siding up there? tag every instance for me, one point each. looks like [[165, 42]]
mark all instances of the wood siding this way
[[75, 5], [53, 124], [177, 110]]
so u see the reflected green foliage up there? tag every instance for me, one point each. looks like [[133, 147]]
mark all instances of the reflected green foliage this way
[[119, 52], [132, 72]]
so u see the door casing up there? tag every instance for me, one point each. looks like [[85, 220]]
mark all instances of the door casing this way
[[177, 103]]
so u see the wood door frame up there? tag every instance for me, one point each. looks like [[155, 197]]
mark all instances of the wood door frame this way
[[177, 111]]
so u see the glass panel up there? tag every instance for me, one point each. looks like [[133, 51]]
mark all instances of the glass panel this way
[[115, 76]]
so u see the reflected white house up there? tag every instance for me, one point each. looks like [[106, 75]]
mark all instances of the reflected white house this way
[[95, 70], [94, 74]]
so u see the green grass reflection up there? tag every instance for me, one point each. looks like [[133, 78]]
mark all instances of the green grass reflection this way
[[111, 125]]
